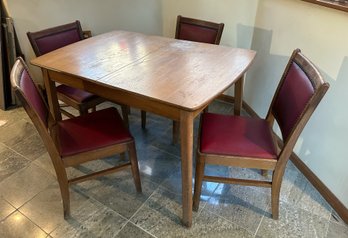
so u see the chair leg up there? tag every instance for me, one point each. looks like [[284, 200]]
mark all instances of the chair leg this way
[[64, 191], [125, 110], [264, 172], [123, 156], [83, 111], [143, 119], [134, 166], [128, 110], [275, 200], [200, 163], [176, 128]]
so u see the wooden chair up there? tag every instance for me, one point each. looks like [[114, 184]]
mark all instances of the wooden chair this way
[[77, 140], [192, 30], [50, 39], [250, 142]]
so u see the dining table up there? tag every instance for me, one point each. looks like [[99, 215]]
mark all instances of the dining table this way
[[173, 78]]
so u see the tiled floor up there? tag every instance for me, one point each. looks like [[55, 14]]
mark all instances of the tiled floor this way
[[30, 202]]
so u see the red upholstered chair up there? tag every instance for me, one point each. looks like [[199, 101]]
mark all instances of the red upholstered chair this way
[[250, 142], [50, 39], [77, 140], [193, 30]]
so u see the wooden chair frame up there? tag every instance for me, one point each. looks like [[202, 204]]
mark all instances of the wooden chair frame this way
[[88, 104], [277, 166], [49, 138]]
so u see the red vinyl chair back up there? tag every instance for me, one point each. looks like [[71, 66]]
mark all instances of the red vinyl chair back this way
[[54, 38], [198, 30], [293, 95]]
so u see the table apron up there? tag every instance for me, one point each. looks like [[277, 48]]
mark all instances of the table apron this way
[[122, 97]]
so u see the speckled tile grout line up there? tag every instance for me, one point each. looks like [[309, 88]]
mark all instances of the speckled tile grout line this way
[[20, 153], [166, 152], [258, 227], [205, 204], [142, 205], [212, 212], [17, 210], [142, 229], [8, 147]]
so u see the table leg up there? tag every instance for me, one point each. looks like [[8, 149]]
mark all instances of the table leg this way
[[186, 133], [125, 112], [238, 96], [52, 98]]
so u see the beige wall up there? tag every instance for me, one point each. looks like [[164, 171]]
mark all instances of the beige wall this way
[[97, 16], [234, 13], [272, 28], [321, 34]]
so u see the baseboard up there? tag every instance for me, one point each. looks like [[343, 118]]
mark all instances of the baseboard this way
[[334, 202]]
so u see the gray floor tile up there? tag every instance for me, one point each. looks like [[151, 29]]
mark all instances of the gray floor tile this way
[[167, 203], [5, 209], [336, 218], [30, 147], [16, 132], [10, 162], [161, 216], [19, 226], [118, 192], [293, 222], [337, 230], [12, 116], [303, 195], [242, 205], [25, 184], [46, 208], [155, 164], [209, 224], [45, 162], [92, 220], [3, 147], [174, 184], [132, 231]]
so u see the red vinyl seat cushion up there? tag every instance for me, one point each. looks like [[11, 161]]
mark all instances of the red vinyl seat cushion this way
[[91, 131], [236, 136], [75, 93]]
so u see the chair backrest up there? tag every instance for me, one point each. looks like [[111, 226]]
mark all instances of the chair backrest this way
[[198, 30], [28, 93], [50, 39], [299, 92], [36, 107]]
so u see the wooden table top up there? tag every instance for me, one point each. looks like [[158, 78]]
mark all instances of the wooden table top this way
[[179, 73]]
